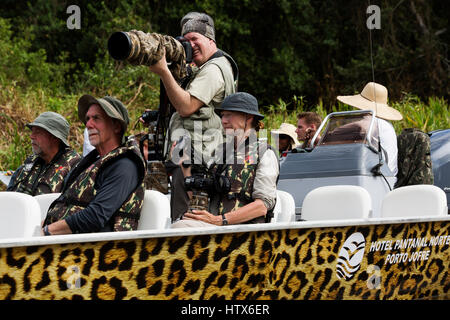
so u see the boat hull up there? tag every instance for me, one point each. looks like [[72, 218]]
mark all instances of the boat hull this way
[[389, 260]]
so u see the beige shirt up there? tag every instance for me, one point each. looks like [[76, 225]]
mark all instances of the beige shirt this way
[[265, 184], [208, 85]]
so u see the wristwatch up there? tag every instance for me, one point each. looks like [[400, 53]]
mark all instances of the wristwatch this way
[[46, 232], [224, 220]]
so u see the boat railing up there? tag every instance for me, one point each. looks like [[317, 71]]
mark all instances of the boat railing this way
[[406, 204], [181, 232]]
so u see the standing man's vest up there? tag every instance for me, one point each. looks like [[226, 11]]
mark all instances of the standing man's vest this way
[[80, 189], [414, 158], [35, 177], [206, 114], [241, 172]]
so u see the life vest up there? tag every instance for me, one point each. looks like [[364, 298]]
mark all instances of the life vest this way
[[414, 158], [80, 189], [240, 171], [35, 177]]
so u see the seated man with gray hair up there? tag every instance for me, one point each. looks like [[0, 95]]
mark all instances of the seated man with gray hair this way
[[52, 159]]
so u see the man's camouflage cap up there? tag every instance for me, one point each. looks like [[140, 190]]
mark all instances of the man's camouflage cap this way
[[200, 23], [113, 108], [53, 123]]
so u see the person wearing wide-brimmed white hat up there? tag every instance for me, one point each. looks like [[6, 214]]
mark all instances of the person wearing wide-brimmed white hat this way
[[374, 97], [285, 138]]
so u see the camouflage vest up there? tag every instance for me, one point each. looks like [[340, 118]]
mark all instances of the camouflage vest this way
[[80, 189], [240, 171], [414, 158], [205, 117], [35, 177]]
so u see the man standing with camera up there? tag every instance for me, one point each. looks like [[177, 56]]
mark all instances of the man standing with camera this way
[[211, 81]]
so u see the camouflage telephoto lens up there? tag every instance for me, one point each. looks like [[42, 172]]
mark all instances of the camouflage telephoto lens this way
[[139, 48], [119, 45]]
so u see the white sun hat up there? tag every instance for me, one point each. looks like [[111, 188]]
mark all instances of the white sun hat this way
[[373, 97]]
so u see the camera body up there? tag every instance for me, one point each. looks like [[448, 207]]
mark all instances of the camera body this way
[[199, 182], [208, 183], [150, 116]]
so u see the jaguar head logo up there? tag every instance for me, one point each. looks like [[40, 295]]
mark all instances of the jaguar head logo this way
[[350, 256]]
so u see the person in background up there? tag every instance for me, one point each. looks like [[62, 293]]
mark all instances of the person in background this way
[[374, 97], [307, 125], [52, 159], [285, 138]]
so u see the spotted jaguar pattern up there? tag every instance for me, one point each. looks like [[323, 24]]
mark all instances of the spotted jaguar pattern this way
[[275, 264]]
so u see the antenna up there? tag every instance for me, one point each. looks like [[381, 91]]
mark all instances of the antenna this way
[[373, 69], [376, 170]]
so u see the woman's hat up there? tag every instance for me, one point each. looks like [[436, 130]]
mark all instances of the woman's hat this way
[[287, 129], [373, 97]]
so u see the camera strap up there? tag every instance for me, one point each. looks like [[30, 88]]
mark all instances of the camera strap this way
[[220, 53]]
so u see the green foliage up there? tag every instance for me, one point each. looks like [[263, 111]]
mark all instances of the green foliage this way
[[317, 49], [14, 153], [25, 67], [426, 116]]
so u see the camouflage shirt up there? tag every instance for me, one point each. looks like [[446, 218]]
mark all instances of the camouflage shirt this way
[[35, 177], [81, 188], [414, 158]]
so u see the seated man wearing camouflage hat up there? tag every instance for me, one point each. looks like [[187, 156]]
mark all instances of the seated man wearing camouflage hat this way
[[105, 191], [44, 171], [212, 80]]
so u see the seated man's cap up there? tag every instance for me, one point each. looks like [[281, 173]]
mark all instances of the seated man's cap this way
[[242, 102], [198, 22], [54, 123], [113, 108]]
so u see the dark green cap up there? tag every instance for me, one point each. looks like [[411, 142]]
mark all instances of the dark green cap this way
[[242, 102], [54, 123], [113, 108]]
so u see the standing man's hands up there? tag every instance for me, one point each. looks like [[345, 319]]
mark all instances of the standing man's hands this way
[[160, 67]]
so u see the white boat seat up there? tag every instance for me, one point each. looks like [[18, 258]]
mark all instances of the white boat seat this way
[[337, 203], [284, 210], [45, 200], [20, 215], [414, 201], [155, 213]]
